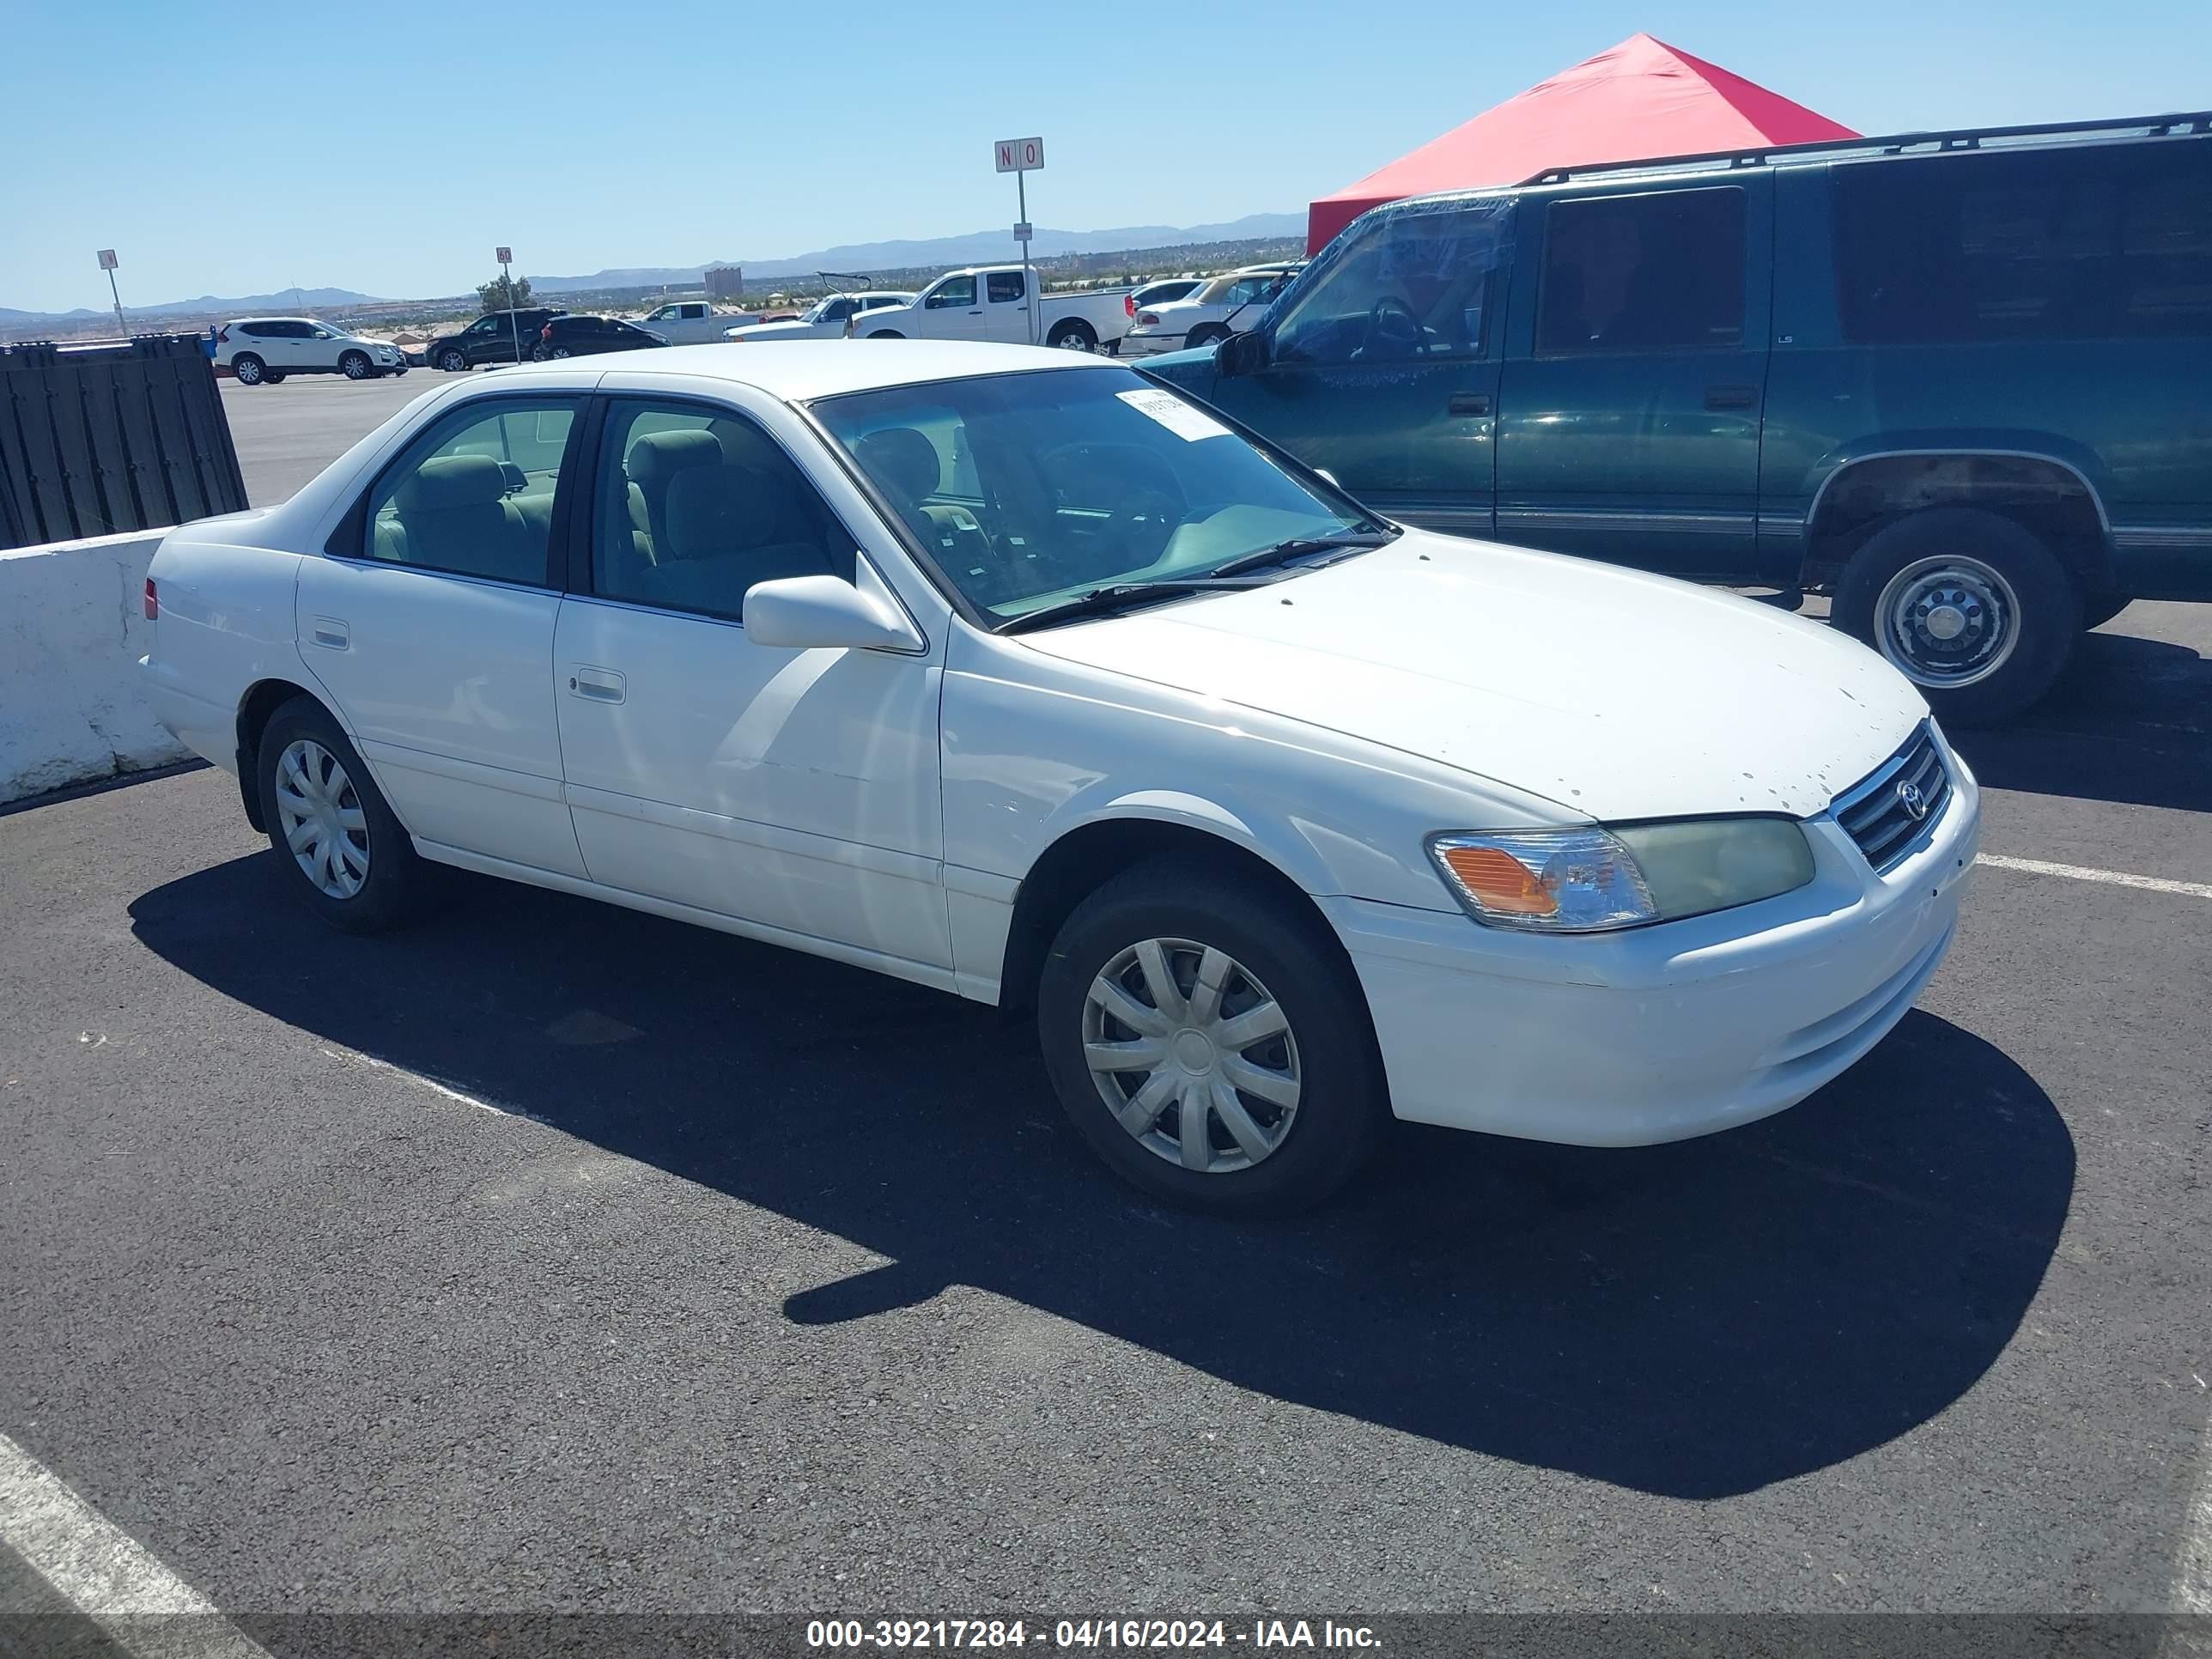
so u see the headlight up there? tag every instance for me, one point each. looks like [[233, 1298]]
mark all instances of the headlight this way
[[1592, 880]]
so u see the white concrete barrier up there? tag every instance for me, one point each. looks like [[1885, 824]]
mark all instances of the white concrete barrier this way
[[72, 628]]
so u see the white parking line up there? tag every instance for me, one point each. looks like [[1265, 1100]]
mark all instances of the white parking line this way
[[104, 1572], [2110, 877], [429, 1082]]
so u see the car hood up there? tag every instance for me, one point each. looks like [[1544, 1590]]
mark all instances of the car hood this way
[[1620, 696]]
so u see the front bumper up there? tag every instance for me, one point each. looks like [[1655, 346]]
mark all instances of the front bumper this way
[[1659, 1033]]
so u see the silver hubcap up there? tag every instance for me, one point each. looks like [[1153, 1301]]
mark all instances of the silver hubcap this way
[[1192, 1055], [319, 812], [249, 373], [356, 368], [1072, 340], [1947, 621]]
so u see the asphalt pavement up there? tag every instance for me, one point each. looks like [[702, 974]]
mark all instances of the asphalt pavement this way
[[287, 434], [549, 1256]]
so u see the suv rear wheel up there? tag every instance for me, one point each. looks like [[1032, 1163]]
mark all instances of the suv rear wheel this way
[[1971, 607], [452, 360], [248, 368]]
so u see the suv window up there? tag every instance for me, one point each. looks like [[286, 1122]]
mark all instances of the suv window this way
[[696, 505], [837, 311], [2110, 242], [1415, 285], [474, 494], [960, 291], [1657, 272], [1003, 286]]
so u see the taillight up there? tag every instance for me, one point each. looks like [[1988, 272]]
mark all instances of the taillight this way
[[1129, 303], [153, 602], [1148, 319]]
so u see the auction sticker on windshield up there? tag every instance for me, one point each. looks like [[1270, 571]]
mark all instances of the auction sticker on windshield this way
[[1178, 416]]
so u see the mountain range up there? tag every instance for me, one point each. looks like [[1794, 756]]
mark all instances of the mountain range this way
[[974, 247]]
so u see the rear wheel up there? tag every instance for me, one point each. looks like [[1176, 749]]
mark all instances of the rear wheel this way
[[1970, 606], [272, 377], [248, 368], [342, 853], [1207, 1040], [452, 360], [356, 366], [1204, 334], [1072, 334], [887, 334]]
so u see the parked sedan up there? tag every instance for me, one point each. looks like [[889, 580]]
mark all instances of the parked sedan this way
[[1008, 673], [583, 337], [825, 318], [1226, 305]]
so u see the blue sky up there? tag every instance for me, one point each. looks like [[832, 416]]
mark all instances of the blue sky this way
[[229, 149]]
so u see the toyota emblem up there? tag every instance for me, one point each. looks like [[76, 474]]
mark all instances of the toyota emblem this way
[[1910, 797]]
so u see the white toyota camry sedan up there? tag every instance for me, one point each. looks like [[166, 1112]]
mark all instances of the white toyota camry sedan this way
[[1012, 673]]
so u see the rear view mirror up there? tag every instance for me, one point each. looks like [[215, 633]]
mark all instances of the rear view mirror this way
[[810, 613], [1241, 354]]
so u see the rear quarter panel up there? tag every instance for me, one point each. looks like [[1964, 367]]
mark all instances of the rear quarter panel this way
[[226, 624]]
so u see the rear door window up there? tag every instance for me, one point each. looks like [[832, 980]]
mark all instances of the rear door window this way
[[1004, 286], [2099, 242], [1656, 273], [473, 497]]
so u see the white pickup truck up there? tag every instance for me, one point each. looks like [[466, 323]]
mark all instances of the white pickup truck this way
[[695, 322], [992, 302]]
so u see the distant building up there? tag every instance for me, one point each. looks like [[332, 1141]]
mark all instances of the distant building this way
[[725, 282]]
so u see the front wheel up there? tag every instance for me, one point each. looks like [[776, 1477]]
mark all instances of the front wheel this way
[[1209, 1042], [1968, 606], [356, 366], [1073, 335], [342, 853]]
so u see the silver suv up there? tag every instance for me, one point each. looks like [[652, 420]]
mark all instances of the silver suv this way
[[263, 350]]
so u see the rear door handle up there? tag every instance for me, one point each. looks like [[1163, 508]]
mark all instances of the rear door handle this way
[[332, 631], [1731, 397], [1470, 403], [597, 685]]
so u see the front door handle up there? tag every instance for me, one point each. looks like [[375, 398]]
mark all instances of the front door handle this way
[[597, 685], [1470, 403], [1731, 397]]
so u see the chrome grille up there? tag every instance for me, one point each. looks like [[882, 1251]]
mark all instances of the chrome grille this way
[[1877, 812]]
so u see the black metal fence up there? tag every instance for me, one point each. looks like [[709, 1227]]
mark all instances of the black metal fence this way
[[100, 438]]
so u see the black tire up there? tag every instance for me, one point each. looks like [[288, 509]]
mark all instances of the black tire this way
[[1072, 334], [2018, 610], [887, 334], [248, 369], [272, 377], [1205, 334], [1341, 1102], [2097, 609], [396, 881], [356, 366], [453, 360]]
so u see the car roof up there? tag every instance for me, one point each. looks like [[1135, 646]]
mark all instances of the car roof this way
[[803, 370]]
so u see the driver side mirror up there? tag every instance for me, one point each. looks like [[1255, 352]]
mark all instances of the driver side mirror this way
[[1241, 354], [814, 613]]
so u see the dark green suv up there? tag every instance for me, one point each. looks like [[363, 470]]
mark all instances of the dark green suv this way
[[1960, 381]]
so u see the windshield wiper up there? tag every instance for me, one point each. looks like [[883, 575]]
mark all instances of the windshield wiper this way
[[1119, 596], [1298, 546]]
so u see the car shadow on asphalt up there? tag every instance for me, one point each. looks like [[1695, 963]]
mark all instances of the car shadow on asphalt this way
[[2130, 720], [1696, 1320]]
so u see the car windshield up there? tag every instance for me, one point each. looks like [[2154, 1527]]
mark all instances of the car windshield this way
[[1031, 490], [820, 310]]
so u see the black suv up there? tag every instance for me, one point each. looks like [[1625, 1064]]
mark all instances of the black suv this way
[[582, 337], [489, 339]]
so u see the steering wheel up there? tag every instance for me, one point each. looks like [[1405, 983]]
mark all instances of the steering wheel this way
[[1400, 338]]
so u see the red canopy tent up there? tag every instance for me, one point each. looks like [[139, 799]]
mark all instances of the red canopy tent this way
[[1641, 98]]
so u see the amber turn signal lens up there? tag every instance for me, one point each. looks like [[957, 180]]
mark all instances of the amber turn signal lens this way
[[1499, 881]]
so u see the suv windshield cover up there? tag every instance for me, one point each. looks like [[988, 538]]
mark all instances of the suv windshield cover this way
[[1032, 490]]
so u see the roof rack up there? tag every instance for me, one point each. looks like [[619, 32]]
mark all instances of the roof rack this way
[[2151, 126]]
